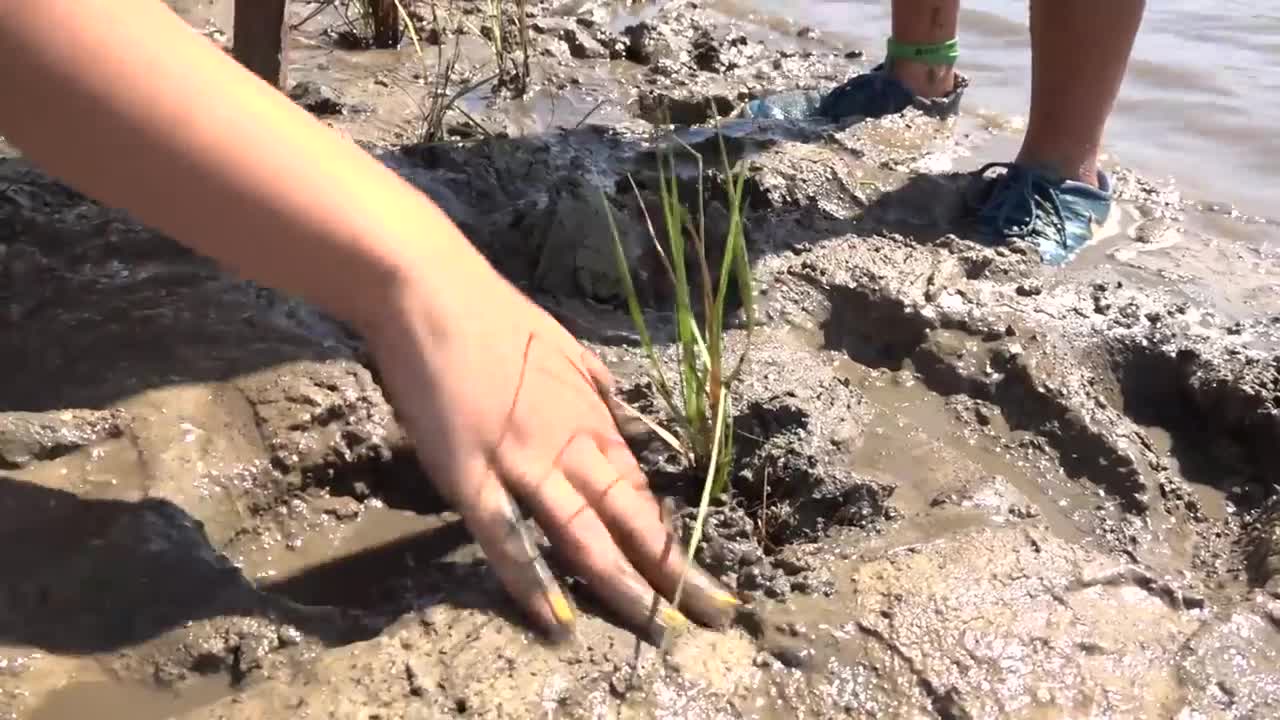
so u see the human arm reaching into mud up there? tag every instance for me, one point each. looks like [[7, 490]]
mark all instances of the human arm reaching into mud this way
[[499, 399]]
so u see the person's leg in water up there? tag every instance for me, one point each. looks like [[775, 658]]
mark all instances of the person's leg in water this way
[[1054, 194], [924, 23]]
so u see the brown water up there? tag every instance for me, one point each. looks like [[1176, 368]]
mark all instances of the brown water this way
[[1199, 104], [114, 700]]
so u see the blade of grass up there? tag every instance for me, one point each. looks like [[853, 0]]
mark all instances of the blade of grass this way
[[721, 483], [746, 289], [677, 411], [736, 248], [692, 382], [700, 234], [704, 504], [633, 306], [653, 425]]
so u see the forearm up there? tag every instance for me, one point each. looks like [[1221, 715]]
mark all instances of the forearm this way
[[149, 117]]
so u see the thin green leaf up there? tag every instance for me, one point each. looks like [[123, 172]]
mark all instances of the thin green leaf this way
[[736, 183], [692, 382], [633, 307], [704, 503]]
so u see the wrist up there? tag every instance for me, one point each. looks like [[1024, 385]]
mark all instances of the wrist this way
[[425, 276]]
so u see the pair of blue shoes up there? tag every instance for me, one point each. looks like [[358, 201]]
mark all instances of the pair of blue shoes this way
[[1012, 202]]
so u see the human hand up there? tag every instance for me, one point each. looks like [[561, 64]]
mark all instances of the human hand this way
[[495, 394], [498, 397]]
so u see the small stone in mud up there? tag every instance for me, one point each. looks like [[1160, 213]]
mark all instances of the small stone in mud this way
[[752, 578], [1024, 512], [288, 636], [583, 46], [1030, 288], [796, 657], [665, 67], [808, 32], [644, 45], [792, 566], [168, 674], [342, 508], [1272, 607], [720, 54], [620, 682], [982, 415], [721, 555], [317, 99], [777, 590], [751, 620]]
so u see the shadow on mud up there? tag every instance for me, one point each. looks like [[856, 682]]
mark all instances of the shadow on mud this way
[[97, 309], [927, 208], [84, 576], [1221, 446], [376, 579]]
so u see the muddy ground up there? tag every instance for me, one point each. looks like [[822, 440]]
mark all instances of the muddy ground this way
[[967, 486]]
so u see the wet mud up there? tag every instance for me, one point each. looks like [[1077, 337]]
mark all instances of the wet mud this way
[[966, 485]]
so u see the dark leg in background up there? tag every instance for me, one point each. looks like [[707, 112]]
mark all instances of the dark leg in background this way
[[261, 39]]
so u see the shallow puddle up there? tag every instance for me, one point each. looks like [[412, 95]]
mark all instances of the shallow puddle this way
[[106, 700], [917, 441]]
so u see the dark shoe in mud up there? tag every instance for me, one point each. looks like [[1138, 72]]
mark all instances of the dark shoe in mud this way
[[1023, 204], [869, 95], [878, 93]]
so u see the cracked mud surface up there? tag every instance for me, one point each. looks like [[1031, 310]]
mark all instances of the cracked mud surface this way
[[967, 486]]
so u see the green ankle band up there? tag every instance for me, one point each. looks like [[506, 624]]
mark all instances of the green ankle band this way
[[940, 54]]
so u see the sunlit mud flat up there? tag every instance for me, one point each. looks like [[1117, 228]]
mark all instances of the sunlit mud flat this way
[[966, 486]]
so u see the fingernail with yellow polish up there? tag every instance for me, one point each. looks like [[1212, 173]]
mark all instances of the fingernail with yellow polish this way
[[667, 623], [673, 618], [707, 600], [724, 598], [562, 613], [560, 607]]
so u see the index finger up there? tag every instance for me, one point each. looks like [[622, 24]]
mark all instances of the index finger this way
[[494, 519]]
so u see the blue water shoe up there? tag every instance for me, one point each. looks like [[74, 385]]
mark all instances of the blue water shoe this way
[[1025, 204]]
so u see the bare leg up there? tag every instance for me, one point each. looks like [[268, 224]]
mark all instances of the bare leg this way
[[1079, 55], [260, 36], [925, 22]]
